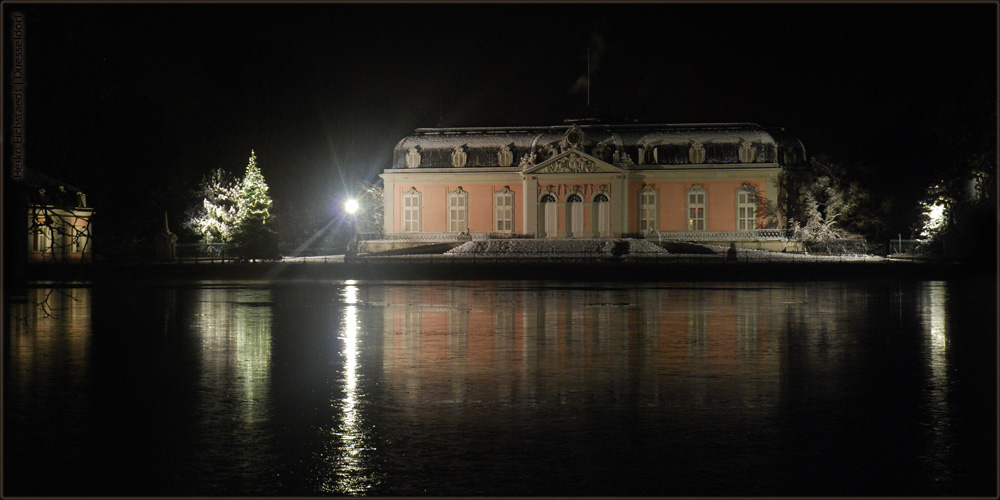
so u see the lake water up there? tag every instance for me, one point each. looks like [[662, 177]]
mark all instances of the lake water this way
[[502, 388]]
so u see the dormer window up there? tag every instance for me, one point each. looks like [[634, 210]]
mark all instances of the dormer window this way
[[696, 154], [505, 157], [747, 152], [413, 158], [458, 157], [647, 155]]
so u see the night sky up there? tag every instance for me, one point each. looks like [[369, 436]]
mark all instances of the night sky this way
[[134, 103]]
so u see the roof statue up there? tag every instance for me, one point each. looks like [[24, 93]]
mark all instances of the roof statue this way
[[627, 145]]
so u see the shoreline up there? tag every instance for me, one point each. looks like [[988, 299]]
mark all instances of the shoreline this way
[[489, 268]]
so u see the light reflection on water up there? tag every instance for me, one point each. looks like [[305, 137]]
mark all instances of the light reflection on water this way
[[234, 409], [234, 327], [345, 468], [934, 318], [508, 388]]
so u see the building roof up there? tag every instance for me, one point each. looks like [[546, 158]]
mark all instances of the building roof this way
[[658, 145], [43, 189]]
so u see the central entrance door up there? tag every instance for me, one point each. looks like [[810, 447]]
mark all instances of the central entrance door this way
[[550, 218], [603, 219], [574, 214]]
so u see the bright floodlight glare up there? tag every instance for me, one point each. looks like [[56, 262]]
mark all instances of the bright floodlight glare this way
[[351, 206]]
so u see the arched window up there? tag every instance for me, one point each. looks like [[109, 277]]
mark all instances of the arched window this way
[[411, 211], [647, 208], [696, 197], [504, 203], [458, 213], [746, 208]]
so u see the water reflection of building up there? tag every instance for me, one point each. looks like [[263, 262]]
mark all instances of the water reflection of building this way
[[530, 343], [50, 335]]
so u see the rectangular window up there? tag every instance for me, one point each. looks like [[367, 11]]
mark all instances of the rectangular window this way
[[504, 211], [746, 210], [696, 211], [74, 243], [411, 212], [41, 240], [458, 212], [647, 210]]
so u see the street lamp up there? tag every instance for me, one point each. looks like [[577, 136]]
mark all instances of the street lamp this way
[[351, 207]]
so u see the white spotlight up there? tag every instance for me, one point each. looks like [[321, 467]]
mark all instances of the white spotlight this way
[[351, 206]]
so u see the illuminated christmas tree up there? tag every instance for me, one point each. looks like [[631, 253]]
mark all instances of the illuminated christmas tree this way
[[253, 235], [253, 201], [237, 212], [214, 220]]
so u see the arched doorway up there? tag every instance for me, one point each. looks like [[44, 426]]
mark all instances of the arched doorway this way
[[601, 215], [549, 216], [574, 215]]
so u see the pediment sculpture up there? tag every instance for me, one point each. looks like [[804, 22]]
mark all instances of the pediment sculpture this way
[[527, 160], [573, 162], [573, 138], [622, 159]]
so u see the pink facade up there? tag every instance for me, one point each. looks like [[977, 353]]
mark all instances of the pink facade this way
[[588, 180], [672, 203], [434, 206]]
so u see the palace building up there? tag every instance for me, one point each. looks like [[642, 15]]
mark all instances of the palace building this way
[[59, 228], [585, 179]]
